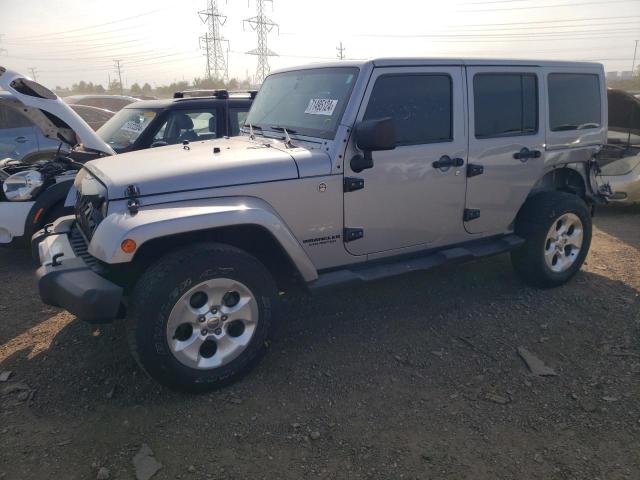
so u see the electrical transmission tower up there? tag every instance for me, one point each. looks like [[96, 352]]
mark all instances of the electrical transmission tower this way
[[340, 51], [33, 71], [2, 49], [262, 25], [212, 42]]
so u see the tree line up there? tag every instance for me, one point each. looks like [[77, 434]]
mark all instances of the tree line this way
[[146, 90]]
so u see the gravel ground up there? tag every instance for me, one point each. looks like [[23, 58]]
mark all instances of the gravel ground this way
[[416, 378]]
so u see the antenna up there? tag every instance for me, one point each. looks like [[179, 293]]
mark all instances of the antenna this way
[[340, 51], [262, 25], [217, 65]]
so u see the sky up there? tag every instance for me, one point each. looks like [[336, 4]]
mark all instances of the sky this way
[[157, 41]]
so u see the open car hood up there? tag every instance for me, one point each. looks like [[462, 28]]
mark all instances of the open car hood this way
[[49, 113], [624, 112]]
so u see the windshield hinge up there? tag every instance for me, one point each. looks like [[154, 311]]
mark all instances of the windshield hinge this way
[[133, 204], [352, 184]]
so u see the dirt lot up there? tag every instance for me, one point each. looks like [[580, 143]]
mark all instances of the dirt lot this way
[[417, 377]]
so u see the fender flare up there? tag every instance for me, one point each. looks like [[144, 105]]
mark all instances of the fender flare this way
[[166, 219]]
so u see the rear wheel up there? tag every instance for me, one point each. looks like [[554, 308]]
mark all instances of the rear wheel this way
[[201, 316], [557, 229]]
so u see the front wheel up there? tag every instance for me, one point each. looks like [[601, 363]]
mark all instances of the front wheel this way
[[201, 316], [557, 229]]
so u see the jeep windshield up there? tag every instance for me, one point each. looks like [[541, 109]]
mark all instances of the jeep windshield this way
[[305, 102], [123, 129]]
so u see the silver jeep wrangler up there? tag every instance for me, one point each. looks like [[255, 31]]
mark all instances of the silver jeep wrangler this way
[[344, 173]]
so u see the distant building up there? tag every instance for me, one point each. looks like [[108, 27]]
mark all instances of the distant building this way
[[613, 76], [626, 75]]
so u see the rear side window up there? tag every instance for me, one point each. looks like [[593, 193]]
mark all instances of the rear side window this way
[[505, 104], [574, 101], [420, 106], [237, 118]]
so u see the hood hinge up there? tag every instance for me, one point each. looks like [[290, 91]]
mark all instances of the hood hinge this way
[[471, 214], [351, 234], [352, 184], [473, 170], [133, 204]]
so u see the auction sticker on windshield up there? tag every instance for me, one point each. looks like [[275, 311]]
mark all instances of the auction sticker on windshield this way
[[321, 106], [132, 126]]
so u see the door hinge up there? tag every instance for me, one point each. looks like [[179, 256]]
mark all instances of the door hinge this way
[[471, 214], [352, 184], [474, 170], [351, 234]]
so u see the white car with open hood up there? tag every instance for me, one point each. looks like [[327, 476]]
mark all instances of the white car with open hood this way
[[33, 194]]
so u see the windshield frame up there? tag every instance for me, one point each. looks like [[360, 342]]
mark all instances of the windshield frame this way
[[297, 130]]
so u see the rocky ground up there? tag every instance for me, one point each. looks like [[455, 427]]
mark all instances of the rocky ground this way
[[415, 378]]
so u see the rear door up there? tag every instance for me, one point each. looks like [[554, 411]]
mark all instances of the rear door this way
[[506, 143], [407, 201]]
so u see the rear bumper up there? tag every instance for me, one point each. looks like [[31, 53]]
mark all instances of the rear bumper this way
[[13, 216], [68, 282]]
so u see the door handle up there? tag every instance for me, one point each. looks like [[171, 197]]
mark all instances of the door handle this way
[[525, 154], [21, 139], [446, 161]]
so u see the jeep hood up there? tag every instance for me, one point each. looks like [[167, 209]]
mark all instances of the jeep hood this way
[[207, 164], [49, 113]]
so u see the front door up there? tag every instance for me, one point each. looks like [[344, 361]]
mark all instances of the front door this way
[[506, 140], [409, 201]]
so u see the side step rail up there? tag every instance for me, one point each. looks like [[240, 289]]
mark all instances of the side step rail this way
[[434, 258]]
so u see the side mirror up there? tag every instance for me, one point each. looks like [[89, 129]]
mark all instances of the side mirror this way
[[372, 136]]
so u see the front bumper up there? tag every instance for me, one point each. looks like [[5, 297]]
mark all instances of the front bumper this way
[[65, 280], [13, 217], [625, 188]]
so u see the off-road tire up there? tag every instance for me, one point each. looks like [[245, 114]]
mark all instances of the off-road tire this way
[[163, 284], [537, 216]]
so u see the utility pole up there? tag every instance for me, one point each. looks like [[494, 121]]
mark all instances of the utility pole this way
[[217, 64], [119, 72], [262, 25], [633, 65], [340, 50], [33, 71]]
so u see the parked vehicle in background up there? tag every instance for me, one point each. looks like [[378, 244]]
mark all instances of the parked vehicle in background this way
[[20, 139], [94, 116], [153, 123], [36, 193], [345, 172], [113, 103], [620, 159]]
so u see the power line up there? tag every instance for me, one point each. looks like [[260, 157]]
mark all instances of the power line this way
[[213, 42], [262, 25], [47, 35], [607, 2]]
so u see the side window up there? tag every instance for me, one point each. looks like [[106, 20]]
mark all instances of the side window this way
[[237, 118], [181, 125], [11, 118], [574, 101], [505, 104], [420, 105]]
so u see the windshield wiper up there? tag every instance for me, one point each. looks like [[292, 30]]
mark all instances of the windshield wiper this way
[[252, 135], [287, 139]]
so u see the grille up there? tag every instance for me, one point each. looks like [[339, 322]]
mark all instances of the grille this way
[[80, 247], [88, 214]]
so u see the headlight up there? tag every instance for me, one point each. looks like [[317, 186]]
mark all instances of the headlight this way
[[22, 185]]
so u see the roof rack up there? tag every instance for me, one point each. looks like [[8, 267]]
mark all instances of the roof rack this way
[[202, 93], [221, 93]]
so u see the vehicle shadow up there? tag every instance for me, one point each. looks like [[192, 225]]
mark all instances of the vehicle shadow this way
[[480, 309]]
